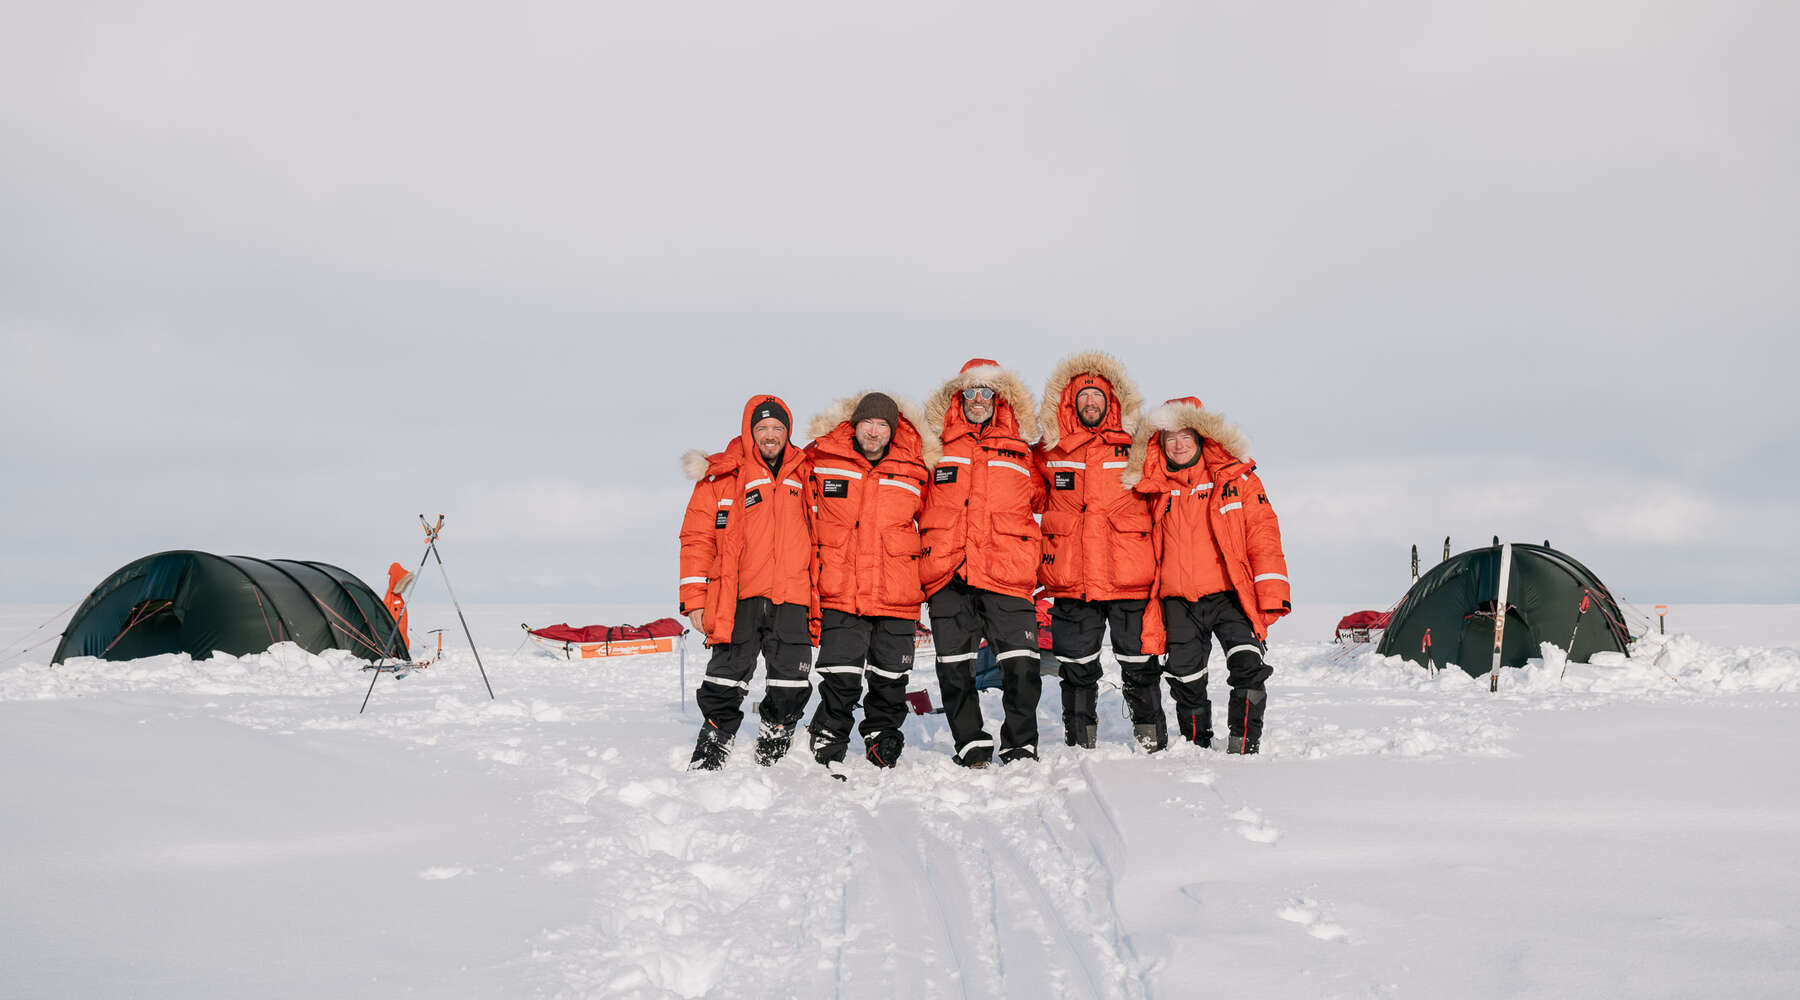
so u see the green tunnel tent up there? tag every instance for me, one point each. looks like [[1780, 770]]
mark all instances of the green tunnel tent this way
[[199, 603], [1456, 600]]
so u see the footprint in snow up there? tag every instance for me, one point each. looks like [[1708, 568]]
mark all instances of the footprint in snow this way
[[1306, 913], [1251, 827]]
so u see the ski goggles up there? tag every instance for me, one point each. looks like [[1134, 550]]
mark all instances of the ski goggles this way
[[980, 392]]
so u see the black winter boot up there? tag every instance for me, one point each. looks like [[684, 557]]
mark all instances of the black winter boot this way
[[883, 748], [975, 758], [827, 747], [710, 750], [1246, 718], [772, 740], [1151, 736], [1012, 755], [1196, 727], [1080, 708]]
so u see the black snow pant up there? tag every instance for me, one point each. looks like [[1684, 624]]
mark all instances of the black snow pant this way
[[1191, 626], [1075, 631], [779, 632], [846, 642], [960, 616]]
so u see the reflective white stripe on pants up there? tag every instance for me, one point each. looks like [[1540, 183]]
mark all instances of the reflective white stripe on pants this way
[[1233, 651], [725, 682], [1130, 658], [956, 657], [1187, 678], [789, 684], [838, 670], [890, 675], [1091, 657], [1013, 654]]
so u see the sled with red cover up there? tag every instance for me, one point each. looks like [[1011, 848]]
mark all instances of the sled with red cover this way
[[1355, 627], [588, 642]]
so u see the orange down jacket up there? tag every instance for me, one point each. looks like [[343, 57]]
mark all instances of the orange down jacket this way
[[747, 532], [1220, 500], [866, 516], [1096, 531], [977, 522]]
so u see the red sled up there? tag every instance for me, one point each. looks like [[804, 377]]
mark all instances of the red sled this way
[[594, 641]]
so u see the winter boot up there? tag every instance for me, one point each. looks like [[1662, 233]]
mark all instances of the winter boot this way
[[975, 758], [772, 741], [1246, 718], [710, 750], [1012, 755], [1196, 727], [1079, 710], [1151, 736], [828, 748], [883, 748]]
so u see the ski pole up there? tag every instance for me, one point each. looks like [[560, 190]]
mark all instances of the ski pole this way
[[431, 546], [1415, 554], [1578, 617]]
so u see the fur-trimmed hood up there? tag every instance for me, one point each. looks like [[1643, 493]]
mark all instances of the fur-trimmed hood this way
[[1125, 405], [1221, 441], [943, 407], [838, 412], [697, 465]]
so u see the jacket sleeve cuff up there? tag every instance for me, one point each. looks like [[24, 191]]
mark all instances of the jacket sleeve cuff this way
[[1272, 591]]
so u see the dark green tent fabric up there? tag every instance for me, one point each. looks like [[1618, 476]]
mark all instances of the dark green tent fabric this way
[[1455, 601], [199, 603]]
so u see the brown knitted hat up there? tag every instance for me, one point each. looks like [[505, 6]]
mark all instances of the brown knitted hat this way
[[877, 406]]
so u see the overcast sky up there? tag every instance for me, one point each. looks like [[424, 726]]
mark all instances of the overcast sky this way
[[276, 278]]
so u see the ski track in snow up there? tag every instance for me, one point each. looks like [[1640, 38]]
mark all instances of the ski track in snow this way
[[925, 880]]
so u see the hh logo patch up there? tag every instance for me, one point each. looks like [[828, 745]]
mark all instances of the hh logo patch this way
[[946, 474], [1065, 480], [839, 488], [724, 516], [1229, 491], [752, 498]]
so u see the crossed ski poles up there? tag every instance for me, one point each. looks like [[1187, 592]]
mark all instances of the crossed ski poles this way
[[431, 551]]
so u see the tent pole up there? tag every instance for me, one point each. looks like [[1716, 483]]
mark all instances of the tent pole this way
[[1500, 615]]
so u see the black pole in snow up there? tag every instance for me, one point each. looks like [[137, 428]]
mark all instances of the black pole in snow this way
[[1415, 562]]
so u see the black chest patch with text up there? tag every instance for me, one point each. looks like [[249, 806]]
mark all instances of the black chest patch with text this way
[[1065, 479], [944, 474], [752, 498], [838, 488], [723, 518]]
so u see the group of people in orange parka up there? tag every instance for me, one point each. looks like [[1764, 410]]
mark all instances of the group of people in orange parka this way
[[1153, 526]]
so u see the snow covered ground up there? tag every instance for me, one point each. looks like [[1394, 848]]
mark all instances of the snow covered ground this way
[[172, 828]]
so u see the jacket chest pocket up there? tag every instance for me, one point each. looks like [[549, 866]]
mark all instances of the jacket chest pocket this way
[[1133, 561]]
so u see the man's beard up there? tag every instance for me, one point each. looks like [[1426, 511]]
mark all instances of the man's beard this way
[[1085, 422]]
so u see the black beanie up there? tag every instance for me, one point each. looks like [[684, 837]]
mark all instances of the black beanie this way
[[770, 408], [877, 406]]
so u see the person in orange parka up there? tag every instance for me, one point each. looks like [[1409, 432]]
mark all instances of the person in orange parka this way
[[399, 582], [1220, 570], [747, 581], [980, 555], [866, 489], [1097, 561]]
